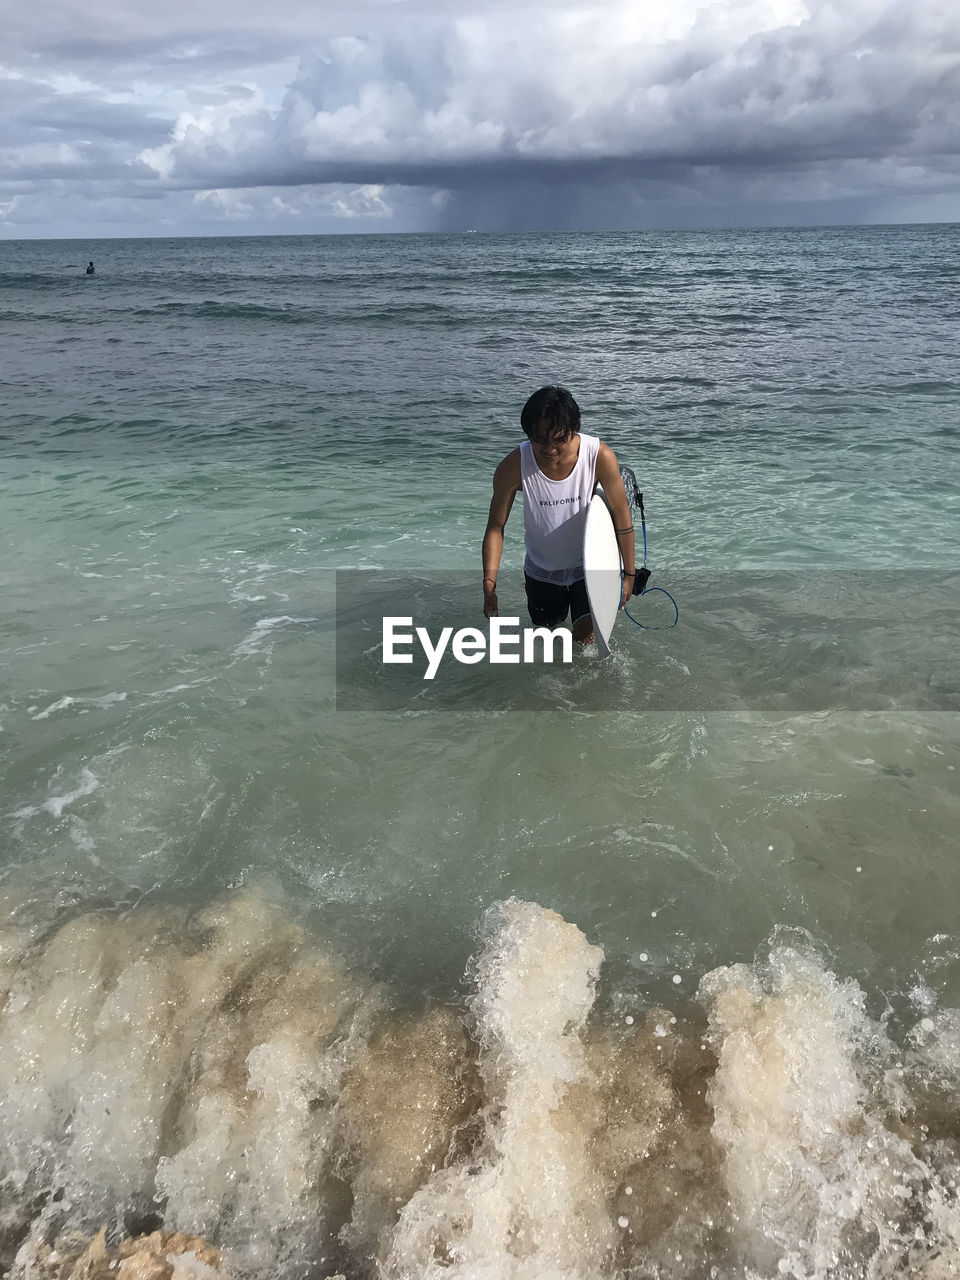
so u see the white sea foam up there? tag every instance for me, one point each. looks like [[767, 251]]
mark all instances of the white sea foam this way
[[260, 639], [64, 703], [87, 784], [181, 688], [60, 705]]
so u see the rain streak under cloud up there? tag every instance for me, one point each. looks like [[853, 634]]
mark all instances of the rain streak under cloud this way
[[187, 119]]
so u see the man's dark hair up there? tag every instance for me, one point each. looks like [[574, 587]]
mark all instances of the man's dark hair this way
[[557, 406]]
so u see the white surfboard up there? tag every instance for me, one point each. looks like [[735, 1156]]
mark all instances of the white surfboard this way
[[601, 569]]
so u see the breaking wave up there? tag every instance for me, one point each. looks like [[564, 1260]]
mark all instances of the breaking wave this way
[[225, 1076]]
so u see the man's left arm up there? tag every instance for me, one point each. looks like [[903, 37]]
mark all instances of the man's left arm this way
[[608, 474]]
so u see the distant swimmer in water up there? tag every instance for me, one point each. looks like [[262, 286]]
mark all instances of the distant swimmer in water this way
[[91, 270]]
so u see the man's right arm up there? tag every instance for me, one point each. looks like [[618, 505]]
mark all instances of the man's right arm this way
[[506, 484]]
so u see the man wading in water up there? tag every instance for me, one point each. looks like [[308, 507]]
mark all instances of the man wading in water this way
[[557, 470]]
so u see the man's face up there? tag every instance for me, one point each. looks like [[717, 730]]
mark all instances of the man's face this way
[[549, 445]]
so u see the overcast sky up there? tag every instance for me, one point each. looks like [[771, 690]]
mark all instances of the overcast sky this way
[[184, 117]]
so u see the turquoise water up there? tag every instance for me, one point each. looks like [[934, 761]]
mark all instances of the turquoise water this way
[[258, 983]]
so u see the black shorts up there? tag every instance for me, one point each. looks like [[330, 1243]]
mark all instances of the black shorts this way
[[548, 603]]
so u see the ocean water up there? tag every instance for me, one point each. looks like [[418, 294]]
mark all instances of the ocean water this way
[[636, 968]]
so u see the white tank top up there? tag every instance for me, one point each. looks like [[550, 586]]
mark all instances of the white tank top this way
[[554, 512]]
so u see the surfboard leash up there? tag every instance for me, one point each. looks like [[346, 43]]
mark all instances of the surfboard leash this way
[[644, 576]]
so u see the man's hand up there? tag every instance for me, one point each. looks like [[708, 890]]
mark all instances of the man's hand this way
[[628, 584], [491, 605]]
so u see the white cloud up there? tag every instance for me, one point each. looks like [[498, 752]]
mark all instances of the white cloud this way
[[734, 78], [234, 121], [362, 202], [289, 204]]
